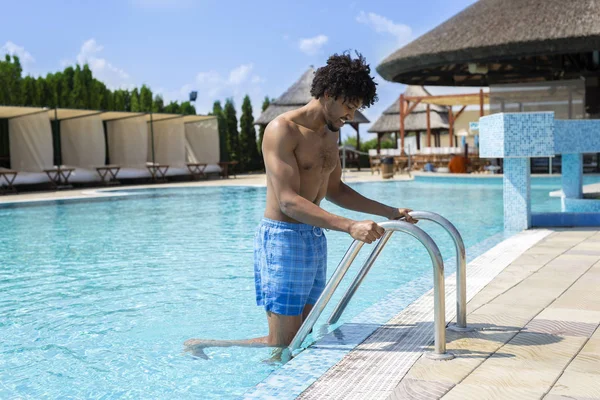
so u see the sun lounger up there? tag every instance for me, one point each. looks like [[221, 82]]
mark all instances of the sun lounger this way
[[7, 178]]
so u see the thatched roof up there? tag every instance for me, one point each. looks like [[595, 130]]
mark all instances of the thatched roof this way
[[516, 40], [416, 120], [296, 96]]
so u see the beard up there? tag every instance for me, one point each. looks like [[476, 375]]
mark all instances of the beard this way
[[332, 127]]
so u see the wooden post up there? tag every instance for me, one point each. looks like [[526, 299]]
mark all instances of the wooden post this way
[[378, 143], [481, 102], [428, 126], [356, 127], [451, 127], [401, 124]]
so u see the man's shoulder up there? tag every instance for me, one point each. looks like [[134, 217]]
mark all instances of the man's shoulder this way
[[282, 126]]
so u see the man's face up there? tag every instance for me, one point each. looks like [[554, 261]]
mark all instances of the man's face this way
[[338, 111]]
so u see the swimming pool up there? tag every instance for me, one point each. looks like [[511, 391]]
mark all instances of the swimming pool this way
[[96, 298]]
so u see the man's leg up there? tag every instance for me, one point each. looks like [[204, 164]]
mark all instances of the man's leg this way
[[282, 329], [306, 311]]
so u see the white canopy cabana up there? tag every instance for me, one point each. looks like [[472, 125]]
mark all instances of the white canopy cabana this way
[[166, 142], [82, 142], [202, 141], [127, 135], [30, 137], [133, 141], [30, 143]]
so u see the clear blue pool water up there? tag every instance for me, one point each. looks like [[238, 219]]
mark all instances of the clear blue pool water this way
[[96, 298]]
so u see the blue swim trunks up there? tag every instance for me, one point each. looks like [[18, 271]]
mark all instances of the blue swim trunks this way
[[290, 266]]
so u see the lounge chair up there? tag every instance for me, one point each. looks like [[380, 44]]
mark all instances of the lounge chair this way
[[374, 161]]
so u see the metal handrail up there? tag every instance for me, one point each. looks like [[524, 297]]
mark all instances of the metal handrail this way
[[461, 266], [461, 271], [438, 282]]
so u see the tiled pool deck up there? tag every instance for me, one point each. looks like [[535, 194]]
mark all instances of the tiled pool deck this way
[[535, 301]]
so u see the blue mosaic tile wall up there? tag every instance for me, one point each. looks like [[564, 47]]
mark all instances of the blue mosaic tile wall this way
[[572, 176], [565, 219], [581, 205], [517, 194], [577, 136], [517, 135], [491, 136]]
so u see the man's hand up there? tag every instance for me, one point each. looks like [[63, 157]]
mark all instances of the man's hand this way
[[399, 213], [366, 231]]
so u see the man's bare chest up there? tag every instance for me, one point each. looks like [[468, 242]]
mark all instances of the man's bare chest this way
[[317, 157]]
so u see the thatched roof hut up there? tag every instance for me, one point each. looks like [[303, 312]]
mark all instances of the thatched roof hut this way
[[415, 122], [298, 95], [389, 122], [503, 41]]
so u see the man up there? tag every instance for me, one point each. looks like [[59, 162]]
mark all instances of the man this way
[[300, 150]]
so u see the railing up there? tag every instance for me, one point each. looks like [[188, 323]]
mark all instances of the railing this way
[[438, 282], [461, 271]]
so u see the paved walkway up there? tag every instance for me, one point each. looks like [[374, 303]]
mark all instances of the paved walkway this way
[[537, 336], [541, 337]]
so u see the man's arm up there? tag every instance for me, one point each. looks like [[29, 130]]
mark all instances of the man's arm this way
[[279, 143], [344, 196]]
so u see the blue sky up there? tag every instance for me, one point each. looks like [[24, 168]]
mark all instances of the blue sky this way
[[219, 48]]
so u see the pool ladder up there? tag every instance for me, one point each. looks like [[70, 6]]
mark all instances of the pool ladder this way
[[439, 352]]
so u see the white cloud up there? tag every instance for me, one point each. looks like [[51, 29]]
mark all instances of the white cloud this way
[[103, 70], [311, 46], [12, 49], [212, 85], [208, 77], [401, 32], [240, 74]]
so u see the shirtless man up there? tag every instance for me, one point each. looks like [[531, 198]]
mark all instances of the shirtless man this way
[[300, 150]]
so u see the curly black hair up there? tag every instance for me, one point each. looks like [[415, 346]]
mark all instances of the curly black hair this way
[[347, 78]]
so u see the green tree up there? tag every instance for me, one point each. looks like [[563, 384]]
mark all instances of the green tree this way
[[4, 72], [42, 92], [135, 101], [16, 72], [108, 101], [231, 123], [28, 92], [78, 93], [127, 100], [249, 158], [11, 87], [187, 108], [52, 87], [172, 108], [97, 95], [261, 131], [88, 85], [159, 105], [386, 143], [119, 100], [218, 112], [68, 76], [145, 99]]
